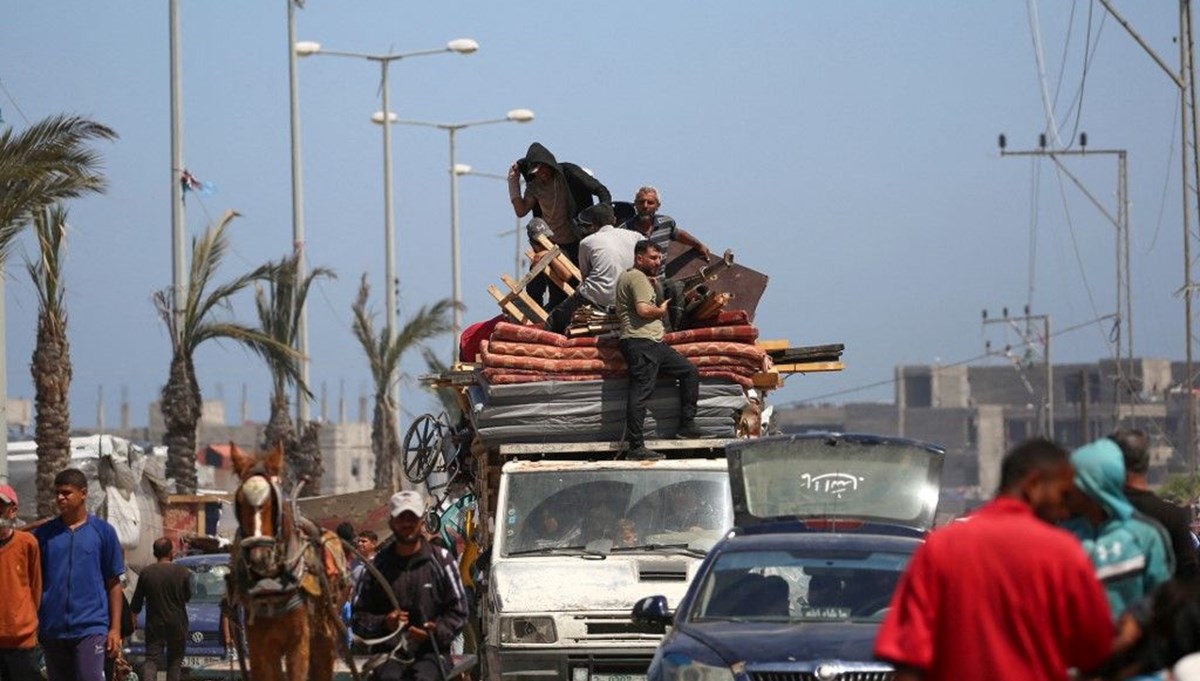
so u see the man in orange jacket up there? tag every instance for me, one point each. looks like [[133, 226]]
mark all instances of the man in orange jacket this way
[[21, 584]]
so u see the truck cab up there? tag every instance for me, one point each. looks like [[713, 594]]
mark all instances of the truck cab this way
[[577, 543]]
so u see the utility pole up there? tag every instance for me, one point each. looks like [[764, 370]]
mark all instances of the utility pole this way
[[1185, 80], [1047, 426], [1124, 303]]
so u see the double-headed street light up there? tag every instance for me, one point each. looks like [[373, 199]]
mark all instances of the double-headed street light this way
[[514, 116], [460, 46]]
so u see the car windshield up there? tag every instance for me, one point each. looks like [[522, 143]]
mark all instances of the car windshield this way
[[788, 586], [208, 582], [646, 510]]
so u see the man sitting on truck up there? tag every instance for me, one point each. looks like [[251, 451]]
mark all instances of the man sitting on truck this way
[[604, 253], [661, 229], [640, 308]]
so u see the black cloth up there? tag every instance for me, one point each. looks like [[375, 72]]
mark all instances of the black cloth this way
[[19, 664], [1177, 520], [427, 586], [421, 669], [165, 589], [164, 649], [560, 315], [647, 359], [582, 186]]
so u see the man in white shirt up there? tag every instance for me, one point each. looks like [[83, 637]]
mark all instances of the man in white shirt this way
[[604, 254]]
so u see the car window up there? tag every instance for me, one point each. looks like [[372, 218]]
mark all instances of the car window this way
[[798, 586], [208, 582]]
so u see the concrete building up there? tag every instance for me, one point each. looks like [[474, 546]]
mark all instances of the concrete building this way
[[978, 412]]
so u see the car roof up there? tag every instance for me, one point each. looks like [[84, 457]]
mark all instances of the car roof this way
[[817, 541], [204, 559]]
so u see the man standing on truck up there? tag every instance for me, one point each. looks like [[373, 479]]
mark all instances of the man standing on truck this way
[[661, 229], [555, 192], [428, 589], [640, 308]]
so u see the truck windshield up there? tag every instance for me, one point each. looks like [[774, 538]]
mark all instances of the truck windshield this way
[[630, 508]]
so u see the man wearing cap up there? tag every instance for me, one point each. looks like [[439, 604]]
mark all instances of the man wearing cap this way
[[604, 253], [428, 589], [21, 586], [554, 192]]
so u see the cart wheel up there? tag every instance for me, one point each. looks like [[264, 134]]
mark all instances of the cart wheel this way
[[422, 447], [433, 522]]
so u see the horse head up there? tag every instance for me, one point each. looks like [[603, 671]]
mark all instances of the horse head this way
[[263, 517]]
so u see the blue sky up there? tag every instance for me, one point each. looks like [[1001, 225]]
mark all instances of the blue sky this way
[[847, 150]]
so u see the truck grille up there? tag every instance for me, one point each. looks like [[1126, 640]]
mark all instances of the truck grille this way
[[810, 676]]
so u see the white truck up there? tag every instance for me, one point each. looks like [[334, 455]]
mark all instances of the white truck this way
[[576, 542]]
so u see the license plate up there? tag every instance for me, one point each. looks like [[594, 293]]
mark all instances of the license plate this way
[[194, 662]]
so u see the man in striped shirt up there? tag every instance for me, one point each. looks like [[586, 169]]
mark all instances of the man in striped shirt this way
[[660, 229]]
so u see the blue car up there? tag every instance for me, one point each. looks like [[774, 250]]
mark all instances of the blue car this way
[[205, 649], [825, 524]]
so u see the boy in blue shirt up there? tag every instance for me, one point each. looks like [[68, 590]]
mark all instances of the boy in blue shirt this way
[[82, 563]]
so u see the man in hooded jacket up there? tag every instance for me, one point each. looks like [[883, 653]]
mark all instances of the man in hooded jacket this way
[[1131, 552], [555, 192]]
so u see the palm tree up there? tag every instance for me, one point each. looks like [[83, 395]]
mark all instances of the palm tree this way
[[51, 363], [45, 164], [280, 302], [383, 356], [193, 325]]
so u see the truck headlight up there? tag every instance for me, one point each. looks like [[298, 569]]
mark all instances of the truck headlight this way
[[527, 630], [679, 667]]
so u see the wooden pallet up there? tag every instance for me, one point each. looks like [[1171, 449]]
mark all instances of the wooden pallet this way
[[517, 305]]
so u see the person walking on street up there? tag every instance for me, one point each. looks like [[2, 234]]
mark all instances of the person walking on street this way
[[641, 308], [79, 621], [1176, 520], [165, 588], [426, 583], [21, 585], [1003, 593]]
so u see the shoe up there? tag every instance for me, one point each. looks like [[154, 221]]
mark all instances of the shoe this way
[[690, 431], [643, 454]]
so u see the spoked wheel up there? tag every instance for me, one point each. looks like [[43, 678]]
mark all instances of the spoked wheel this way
[[422, 447]]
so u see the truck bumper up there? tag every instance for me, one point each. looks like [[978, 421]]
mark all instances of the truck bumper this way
[[608, 664]]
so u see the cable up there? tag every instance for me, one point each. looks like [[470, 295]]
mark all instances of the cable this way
[[14, 102], [1162, 202], [1036, 36]]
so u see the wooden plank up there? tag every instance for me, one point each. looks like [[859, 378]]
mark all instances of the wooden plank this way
[[767, 380], [535, 310], [809, 367], [506, 305], [549, 245], [775, 344]]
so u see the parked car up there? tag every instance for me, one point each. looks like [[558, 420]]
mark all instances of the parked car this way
[[205, 647], [825, 524]]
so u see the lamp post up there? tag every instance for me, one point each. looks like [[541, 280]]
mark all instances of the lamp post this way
[[460, 46], [514, 116], [464, 169]]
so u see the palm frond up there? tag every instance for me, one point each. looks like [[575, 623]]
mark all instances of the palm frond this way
[[50, 227]]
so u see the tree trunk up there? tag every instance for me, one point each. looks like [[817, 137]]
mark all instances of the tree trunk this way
[[280, 430], [384, 442], [181, 412], [51, 369], [308, 458]]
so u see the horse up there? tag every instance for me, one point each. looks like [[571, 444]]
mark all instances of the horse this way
[[289, 577]]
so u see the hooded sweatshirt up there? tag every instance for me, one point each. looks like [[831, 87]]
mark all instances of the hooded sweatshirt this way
[[1131, 552], [581, 186]]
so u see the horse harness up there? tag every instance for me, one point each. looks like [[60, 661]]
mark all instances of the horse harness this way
[[275, 589]]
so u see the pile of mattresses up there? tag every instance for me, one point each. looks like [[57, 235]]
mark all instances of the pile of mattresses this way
[[539, 386]]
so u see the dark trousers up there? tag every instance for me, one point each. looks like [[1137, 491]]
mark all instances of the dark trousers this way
[[18, 664], [76, 659], [647, 359], [560, 315], [168, 640], [424, 668]]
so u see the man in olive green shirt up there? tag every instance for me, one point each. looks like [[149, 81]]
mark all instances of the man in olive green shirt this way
[[641, 311]]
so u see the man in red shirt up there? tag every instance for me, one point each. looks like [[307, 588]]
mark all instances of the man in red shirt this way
[[1002, 593], [21, 586]]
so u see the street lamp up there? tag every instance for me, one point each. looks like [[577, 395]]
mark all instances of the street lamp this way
[[514, 116], [464, 169], [307, 48]]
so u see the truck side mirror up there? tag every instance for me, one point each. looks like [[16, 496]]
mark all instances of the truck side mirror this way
[[652, 610]]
